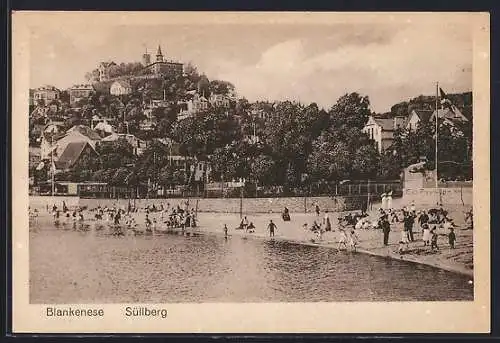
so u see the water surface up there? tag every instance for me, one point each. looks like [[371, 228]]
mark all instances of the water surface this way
[[74, 266]]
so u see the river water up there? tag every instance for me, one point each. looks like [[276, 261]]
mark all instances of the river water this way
[[75, 266]]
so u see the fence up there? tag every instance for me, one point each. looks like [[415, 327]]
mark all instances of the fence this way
[[364, 189]]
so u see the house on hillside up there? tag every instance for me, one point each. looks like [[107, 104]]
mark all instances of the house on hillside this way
[[78, 92], [189, 108], [416, 117], [137, 144], [104, 128], [104, 70], [78, 133], [120, 87], [46, 93], [219, 100], [451, 114], [74, 152], [175, 158], [381, 130]]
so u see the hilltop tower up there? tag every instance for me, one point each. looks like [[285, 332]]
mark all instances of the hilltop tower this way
[[159, 55], [146, 58]]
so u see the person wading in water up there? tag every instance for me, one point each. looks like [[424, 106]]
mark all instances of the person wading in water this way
[[271, 228]]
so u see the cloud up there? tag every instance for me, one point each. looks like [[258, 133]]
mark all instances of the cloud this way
[[388, 71]]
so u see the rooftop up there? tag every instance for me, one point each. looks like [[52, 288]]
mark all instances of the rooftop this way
[[71, 154]]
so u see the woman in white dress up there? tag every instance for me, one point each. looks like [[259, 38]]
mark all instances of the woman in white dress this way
[[384, 201], [426, 234], [389, 200]]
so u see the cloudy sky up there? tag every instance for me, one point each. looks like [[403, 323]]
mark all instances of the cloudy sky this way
[[306, 62]]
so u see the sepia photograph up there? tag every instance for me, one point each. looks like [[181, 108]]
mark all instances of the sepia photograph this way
[[182, 161]]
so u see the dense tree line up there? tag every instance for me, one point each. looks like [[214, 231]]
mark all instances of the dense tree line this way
[[285, 144]]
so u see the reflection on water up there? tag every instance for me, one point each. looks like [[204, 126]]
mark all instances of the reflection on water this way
[[89, 266]]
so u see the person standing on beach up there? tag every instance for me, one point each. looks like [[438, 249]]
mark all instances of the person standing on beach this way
[[326, 222], [434, 239], [426, 234], [317, 210], [408, 225], [452, 238], [271, 228], [225, 231], [404, 240], [386, 228], [423, 219], [389, 200]]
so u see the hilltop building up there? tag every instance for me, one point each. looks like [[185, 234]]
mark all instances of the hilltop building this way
[[161, 66]]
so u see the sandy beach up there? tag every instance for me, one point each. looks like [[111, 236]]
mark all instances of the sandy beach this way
[[458, 260]]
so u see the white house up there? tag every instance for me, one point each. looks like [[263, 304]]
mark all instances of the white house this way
[[191, 107], [219, 100], [46, 93], [78, 92], [120, 87], [381, 130]]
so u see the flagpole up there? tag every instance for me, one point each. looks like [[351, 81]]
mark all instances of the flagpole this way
[[437, 130]]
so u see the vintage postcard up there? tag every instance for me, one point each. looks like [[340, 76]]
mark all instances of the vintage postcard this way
[[250, 172]]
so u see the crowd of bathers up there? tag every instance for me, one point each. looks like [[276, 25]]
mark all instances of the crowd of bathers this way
[[120, 218]]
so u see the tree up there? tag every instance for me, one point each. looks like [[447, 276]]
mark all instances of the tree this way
[[116, 154], [350, 111], [263, 170], [365, 163]]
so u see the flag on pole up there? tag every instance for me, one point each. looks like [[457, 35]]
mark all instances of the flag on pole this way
[[445, 101]]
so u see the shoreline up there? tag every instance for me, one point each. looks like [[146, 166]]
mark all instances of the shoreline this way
[[292, 232], [388, 254]]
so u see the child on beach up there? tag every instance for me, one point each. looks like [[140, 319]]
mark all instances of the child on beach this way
[[434, 239], [405, 240], [319, 233], [342, 240], [426, 234], [251, 228], [452, 238], [148, 223], [353, 240]]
